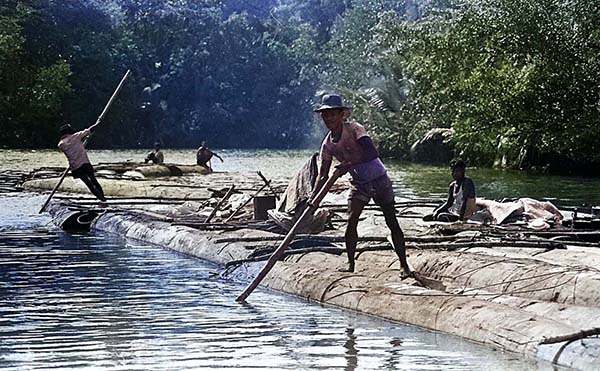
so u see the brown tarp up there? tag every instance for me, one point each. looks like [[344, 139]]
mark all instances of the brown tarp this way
[[301, 186]]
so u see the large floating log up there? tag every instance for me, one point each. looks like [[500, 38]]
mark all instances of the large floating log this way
[[376, 289], [521, 277], [503, 327]]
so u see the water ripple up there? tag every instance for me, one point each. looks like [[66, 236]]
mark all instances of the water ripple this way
[[100, 302]]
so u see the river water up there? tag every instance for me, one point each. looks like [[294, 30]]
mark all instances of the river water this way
[[96, 301], [409, 179]]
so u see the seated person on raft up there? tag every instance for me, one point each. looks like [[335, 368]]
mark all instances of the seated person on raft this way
[[349, 143], [72, 145], [460, 204], [155, 156]]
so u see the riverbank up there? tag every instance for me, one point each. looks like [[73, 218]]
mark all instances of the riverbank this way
[[507, 295]]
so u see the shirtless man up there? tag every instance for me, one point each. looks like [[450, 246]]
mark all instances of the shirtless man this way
[[349, 143], [203, 156], [72, 145], [156, 156]]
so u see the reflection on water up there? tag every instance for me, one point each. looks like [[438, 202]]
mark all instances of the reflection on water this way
[[429, 181], [409, 179], [100, 302]]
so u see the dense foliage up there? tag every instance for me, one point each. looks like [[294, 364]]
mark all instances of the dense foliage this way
[[231, 73], [516, 79]]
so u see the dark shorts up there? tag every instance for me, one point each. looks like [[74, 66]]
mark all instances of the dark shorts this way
[[85, 169], [380, 190]]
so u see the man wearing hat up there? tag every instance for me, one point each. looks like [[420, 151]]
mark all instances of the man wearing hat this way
[[155, 156], [349, 143], [72, 145]]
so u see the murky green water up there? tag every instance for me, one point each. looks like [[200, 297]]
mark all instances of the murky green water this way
[[95, 301], [498, 184], [409, 179]]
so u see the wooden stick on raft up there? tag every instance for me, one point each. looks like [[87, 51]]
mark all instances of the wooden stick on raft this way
[[267, 183], [310, 210], [246, 202], [100, 118], [576, 336], [264, 253], [326, 238], [214, 212]]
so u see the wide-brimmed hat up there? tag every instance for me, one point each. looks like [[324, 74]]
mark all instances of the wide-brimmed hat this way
[[331, 101]]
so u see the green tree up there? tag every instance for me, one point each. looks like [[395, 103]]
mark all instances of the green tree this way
[[514, 78], [31, 90]]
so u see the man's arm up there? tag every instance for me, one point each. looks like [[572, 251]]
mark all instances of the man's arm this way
[[321, 178], [369, 151], [217, 156], [468, 193], [449, 201], [160, 157], [463, 208]]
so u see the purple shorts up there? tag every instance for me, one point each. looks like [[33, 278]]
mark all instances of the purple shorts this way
[[380, 190]]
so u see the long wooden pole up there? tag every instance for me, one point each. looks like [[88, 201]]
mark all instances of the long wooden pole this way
[[100, 118], [278, 253]]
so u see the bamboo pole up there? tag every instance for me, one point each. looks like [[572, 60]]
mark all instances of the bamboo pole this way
[[214, 212], [263, 253], [310, 210], [100, 118], [326, 238]]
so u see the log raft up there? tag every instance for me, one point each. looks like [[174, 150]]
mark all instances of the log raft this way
[[518, 292]]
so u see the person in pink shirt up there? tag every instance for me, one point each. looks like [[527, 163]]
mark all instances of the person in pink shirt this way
[[349, 143], [72, 145]]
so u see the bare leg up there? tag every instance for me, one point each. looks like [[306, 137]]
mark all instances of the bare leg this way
[[354, 210], [92, 187], [98, 187], [389, 212]]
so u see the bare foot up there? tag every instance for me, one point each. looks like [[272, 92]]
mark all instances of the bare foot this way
[[407, 274]]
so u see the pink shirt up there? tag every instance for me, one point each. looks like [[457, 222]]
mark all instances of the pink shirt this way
[[347, 149], [72, 147]]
